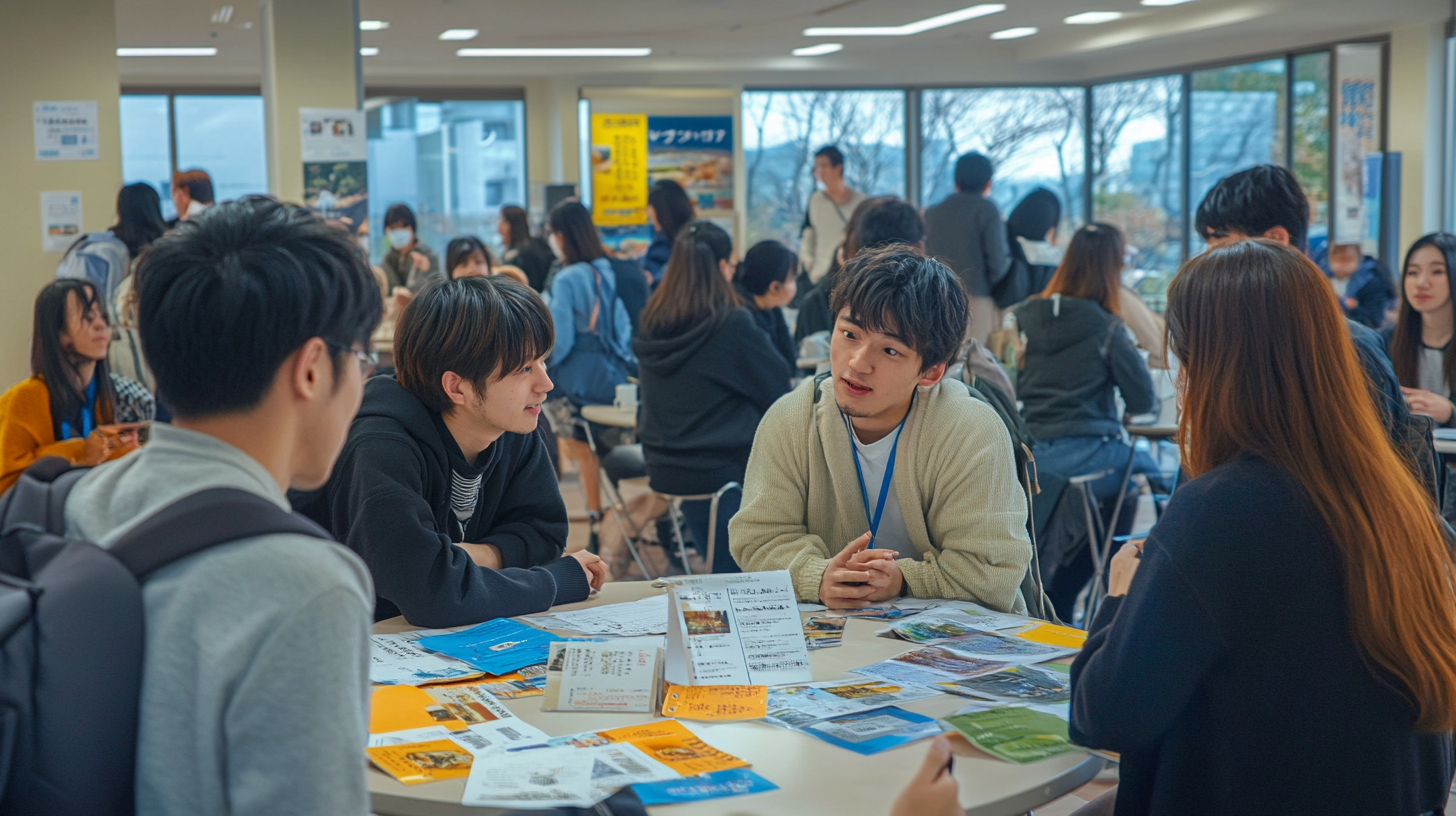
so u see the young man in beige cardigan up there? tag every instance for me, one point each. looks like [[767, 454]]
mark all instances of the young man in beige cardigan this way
[[952, 521]]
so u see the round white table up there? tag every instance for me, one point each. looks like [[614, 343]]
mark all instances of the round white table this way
[[1445, 445], [813, 776], [610, 415]]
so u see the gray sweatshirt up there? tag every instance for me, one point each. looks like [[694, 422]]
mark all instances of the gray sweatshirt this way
[[255, 683]]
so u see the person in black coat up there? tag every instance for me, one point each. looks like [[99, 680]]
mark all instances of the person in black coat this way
[[709, 374], [765, 284], [444, 486], [1285, 639]]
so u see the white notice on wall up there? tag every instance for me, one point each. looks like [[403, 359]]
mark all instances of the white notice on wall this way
[[739, 629], [60, 219], [65, 131], [333, 135]]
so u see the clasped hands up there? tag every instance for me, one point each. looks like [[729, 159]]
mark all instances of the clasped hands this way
[[859, 576]]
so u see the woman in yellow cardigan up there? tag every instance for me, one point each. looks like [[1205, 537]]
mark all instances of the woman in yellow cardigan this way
[[94, 415]]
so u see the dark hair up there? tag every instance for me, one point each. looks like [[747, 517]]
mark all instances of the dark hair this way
[[889, 221], [693, 288], [1405, 340], [580, 241], [400, 213], [1034, 216], [850, 245], [899, 290], [674, 209], [224, 299], [459, 250], [517, 224], [831, 153], [197, 182], [767, 263], [57, 367], [476, 327], [973, 172], [1255, 201], [1092, 267], [138, 217]]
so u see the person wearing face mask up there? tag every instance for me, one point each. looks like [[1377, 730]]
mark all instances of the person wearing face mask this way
[[765, 283], [72, 406], [408, 264]]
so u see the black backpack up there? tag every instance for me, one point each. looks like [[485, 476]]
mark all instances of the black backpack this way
[[72, 635]]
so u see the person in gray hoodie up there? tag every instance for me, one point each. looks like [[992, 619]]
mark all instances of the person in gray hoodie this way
[[1078, 355], [256, 319]]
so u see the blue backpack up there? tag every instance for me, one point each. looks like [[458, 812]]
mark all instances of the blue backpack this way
[[99, 257]]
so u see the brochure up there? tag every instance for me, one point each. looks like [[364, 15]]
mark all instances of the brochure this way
[[715, 702], [515, 686], [400, 708], [940, 661], [877, 612], [617, 766], [543, 778], [1052, 635], [414, 763], [992, 646], [739, 629], [398, 659], [1015, 684], [734, 782], [635, 619], [797, 706], [624, 674], [870, 732], [470, 704], [672, 744], [1014, 733], [937, 625], [824, 632], [430, 734], [496, 647], [985, 618]]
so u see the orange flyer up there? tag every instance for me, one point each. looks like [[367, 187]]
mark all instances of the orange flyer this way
[[397, 708], [672, 744], [414, 763], [1050, 634], [715, 702]]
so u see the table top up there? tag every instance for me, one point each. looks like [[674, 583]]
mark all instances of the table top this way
[[813, 776], [1154, 431], [1445, 445], [610, 415]]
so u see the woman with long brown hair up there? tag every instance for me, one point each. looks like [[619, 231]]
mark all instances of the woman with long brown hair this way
[[1285, 640]]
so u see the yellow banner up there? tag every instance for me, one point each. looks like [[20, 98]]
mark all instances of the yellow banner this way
[[619, 169]]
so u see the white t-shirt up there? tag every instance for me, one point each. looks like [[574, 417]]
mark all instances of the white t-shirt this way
[[873, 459]]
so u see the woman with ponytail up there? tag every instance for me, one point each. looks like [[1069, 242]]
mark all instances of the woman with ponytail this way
[[708, 375], [1285, 640]]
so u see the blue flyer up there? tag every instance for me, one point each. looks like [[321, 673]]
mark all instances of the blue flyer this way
[[870, 732], [732, 782], [496, 647]]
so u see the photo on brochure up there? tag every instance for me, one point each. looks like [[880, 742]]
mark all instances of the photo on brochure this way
[[1015, 684], [937, 625], [706, 622], [824, 632], [870, 732], [942, 659], [997, 647]]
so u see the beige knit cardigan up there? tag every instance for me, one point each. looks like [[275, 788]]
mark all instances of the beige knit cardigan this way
[[802, 501]]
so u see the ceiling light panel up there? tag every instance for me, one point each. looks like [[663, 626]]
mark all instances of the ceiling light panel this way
[[818, 50], [1165, 2], [1093, 17], [373, 25], [166, 52], [938, 21], [553, 52], [459, 34], [368, 51], [1013, 33]]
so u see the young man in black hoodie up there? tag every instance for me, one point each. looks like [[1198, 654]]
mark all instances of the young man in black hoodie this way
[[444, 487]]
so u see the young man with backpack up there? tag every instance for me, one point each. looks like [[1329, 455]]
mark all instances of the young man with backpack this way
[[253, 678], [886, 452]]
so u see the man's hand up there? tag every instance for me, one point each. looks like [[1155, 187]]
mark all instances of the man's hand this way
[[885, 577], [485, 555], [845, 586], [422, 264], [933, 790], [595, 568]]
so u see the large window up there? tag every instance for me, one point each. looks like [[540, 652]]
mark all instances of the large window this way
[[222, 134], [456, 163], [1033, 135], [1311, 120], [1237, 123], [1137, 175], [782, 129]]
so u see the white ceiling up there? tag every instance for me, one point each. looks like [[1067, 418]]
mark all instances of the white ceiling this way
[[727, 42]]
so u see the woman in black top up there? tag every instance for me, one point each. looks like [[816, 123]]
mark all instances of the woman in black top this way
[[522, 249], [705, 386], [1285, 639], [765, 284]]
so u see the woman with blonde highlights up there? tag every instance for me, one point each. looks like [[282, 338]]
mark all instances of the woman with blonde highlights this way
[[1285, 640]]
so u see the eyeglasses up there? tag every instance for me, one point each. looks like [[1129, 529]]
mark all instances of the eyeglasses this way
[[368, 360]]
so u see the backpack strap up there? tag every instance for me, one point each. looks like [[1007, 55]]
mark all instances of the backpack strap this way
[[205, 519], [37, 502]]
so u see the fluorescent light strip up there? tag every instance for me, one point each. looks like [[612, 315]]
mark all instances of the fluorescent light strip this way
[[373, 25], [818, 50], [1093, 17], [166, 52], [368, 51], [1165, 2], [459, 34], [938, 21], [1013, 33], [552, 52]]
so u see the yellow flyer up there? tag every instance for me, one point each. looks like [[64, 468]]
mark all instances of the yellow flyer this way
[[715, 702], [399, 708], [672, 744], [471, 704], [619, 169], [1050, 634], [414, 763]]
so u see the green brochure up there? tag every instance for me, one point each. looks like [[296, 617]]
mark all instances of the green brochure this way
[[1015, 734]]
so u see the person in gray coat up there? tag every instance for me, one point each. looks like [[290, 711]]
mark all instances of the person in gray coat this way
[[966, 233]]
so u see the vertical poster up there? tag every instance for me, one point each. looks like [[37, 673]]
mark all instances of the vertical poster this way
[[335, 167], [1358, 81], [619, 176], [65, 131], [60, 219], [697, 153]]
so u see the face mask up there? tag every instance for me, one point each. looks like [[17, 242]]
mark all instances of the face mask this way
[[399, 238]]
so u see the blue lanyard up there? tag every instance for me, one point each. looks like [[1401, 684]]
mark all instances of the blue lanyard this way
[[86, 410], [864, 492]]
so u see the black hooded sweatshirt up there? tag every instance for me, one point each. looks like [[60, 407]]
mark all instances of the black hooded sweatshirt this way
[[703, 394], [1076, 351], [389, 500]]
